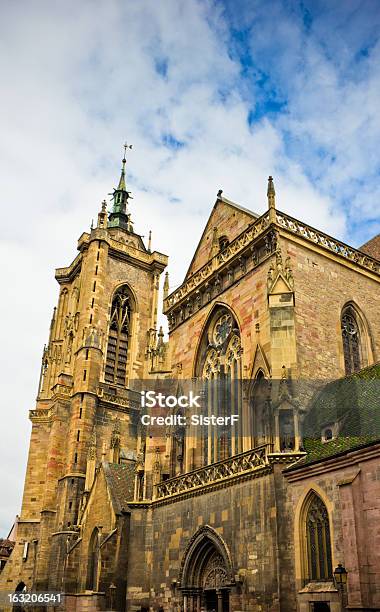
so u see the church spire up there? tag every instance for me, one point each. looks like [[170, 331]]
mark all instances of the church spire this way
[[121, 186], [119, 216]]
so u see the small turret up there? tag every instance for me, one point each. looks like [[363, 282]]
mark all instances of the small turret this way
[[102, 216]]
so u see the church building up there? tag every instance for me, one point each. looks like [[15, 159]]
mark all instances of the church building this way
[[276, 323]]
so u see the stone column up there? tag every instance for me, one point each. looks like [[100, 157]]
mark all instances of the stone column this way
[[198, 601], [296, 432], [220, 600], [277, 446]]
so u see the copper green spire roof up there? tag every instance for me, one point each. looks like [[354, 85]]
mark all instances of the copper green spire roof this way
[[121, 185], [119, 216]]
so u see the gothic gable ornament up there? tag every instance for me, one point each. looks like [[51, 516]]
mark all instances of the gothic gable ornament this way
[[280, 282]]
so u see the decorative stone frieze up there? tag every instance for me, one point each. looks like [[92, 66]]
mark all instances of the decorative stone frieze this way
[[252, 460], [327, 242]]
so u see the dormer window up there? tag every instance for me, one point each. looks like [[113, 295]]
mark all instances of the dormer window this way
[[329, 432]]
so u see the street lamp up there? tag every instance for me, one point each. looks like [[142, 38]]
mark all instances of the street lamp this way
[[340, 579], [340, 575], [112, 589]]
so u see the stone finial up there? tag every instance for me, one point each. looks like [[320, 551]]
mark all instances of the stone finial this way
[[160, 340], [166, 286], [102, 216], [271, 200]]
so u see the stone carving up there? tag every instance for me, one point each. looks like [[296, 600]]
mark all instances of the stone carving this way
[[212, 364], [217, 283], [279, 259], [271, 242], [114, 399], [243, 265], [289, 272], [270, 277], [215, 573], [91, 453], [325, 241], [69, 324], [249, 461], [234, 350]]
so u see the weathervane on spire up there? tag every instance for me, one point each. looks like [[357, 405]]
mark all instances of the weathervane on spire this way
[[120, 217], [121, 185], [126, 146]]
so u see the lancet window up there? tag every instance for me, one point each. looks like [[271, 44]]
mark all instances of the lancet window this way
[[118, 337], [319, 561], [351, 341], [220, 367]]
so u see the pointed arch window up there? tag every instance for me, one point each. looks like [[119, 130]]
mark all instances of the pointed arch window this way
[[93, 561], [319, 559], [118, 337], [260, 417], [351, 341], [219, 364]]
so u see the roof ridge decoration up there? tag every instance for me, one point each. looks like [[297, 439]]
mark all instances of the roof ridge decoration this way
[[288, 223], [239, 249]]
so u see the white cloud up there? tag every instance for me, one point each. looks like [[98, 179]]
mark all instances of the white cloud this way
[[78, 78]]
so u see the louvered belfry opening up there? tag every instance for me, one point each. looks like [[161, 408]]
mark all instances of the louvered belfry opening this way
[[118, 337]]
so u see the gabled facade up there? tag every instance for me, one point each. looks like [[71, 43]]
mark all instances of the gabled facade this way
[[123, 516]]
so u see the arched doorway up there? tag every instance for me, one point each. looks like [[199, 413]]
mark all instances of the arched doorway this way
[[206, 573]]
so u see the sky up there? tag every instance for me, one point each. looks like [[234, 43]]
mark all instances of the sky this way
[[212, 95]]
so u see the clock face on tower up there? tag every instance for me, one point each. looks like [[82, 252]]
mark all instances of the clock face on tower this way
[[222, 329]]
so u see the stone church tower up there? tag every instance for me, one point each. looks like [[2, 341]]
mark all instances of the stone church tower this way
[[103, 333]]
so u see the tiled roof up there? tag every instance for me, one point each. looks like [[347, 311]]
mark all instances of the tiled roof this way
[[372, 247], [352, 404], [120, 479]]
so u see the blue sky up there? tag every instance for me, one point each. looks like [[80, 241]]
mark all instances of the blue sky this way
[[212, 95]]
